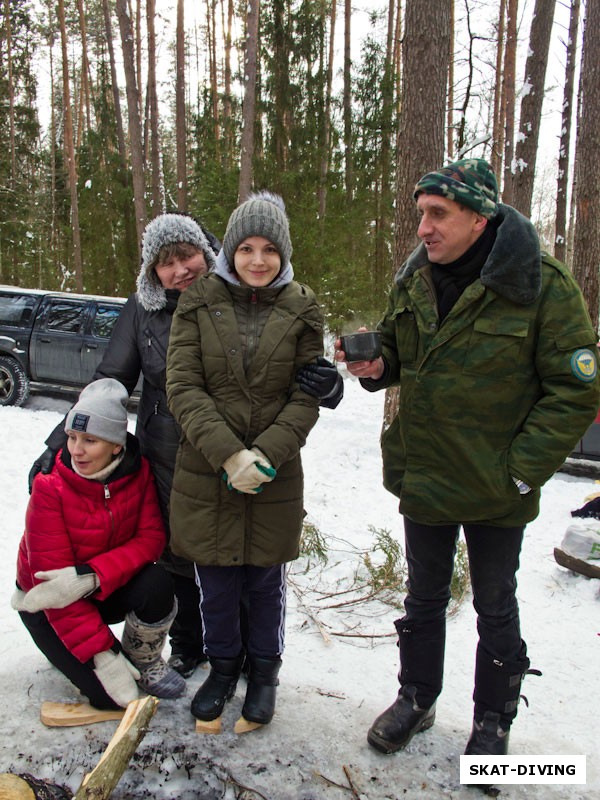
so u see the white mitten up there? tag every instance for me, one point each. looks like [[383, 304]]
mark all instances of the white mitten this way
[[266, 469], [118, 676], [242, 472], [59, 589]]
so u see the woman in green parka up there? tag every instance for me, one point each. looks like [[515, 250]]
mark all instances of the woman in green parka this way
[[238, 337]]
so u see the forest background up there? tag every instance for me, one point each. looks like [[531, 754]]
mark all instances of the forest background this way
[[113, 111]]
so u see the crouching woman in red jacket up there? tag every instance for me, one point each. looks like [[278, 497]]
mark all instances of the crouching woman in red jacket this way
[[93, 531]]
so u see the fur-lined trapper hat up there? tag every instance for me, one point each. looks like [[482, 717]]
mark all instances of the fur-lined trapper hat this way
[[164, 230]]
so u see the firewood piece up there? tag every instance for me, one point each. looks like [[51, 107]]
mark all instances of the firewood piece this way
[[99, 783], [244, 725], [64, 715], [212, 726], [14, 788]]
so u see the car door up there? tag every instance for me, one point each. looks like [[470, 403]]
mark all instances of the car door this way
[[101, 321], [57, 342]]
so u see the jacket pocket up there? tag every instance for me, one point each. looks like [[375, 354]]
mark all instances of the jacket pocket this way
[[407, 335], [494, 347]]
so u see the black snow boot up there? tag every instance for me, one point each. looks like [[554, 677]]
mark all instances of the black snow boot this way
[[394, 729], [217, 689], [496, 697], [488, 737], [187, 645], [259, 705], [421, 646]]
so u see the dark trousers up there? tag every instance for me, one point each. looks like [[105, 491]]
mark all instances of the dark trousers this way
[[186, 631], [221, 592], [493, 563], [149, 594]]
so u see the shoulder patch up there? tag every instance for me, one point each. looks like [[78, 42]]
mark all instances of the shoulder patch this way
[[584, 365]]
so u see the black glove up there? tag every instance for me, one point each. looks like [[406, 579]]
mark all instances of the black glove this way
[[322, 380], [43, 464]]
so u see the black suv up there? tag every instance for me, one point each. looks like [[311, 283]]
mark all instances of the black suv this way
[[51, 340]]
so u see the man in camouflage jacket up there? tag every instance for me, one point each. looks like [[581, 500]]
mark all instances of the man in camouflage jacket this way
[[493, 348]]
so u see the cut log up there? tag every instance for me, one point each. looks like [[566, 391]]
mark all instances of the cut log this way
[[64, 715], [576, 564], [100, 782], [14, 788], [26, 787], [212, 726], [244, 725]]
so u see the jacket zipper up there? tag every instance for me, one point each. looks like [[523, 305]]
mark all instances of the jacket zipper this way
[[109, 511]]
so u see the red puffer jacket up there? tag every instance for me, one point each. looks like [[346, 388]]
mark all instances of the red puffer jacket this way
[[115, 528]]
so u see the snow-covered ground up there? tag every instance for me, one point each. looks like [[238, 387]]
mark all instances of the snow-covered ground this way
[[332, 685]]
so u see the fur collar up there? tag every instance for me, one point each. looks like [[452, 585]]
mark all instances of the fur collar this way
[[513, 268]]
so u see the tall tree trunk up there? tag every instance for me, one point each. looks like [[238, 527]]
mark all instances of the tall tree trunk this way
[[347, 101], [385, 192], [249, 104], [586, 245], [426, 51], [450, 111], [158, 203], [180, 114], [460, 134], [115, 86], [497, 160], [138, 51], [54, 243], [326, 141], [281, 84], [11, 96], [510, 60], [212, 69], [562, 181], [86, 101], [227, 104], [70, 150], [135, 128], [531, 105]]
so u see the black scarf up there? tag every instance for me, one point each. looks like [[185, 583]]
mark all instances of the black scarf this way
[[450, 280]]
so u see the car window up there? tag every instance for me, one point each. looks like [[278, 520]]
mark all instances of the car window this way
[[104, 321], [64, 316], [16, 309]]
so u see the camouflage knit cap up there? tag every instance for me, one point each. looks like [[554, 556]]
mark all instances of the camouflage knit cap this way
[[263, 214], [470, 182]]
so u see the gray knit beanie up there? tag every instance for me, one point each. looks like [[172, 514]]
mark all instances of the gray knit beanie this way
[[262, 214], [101, 411]]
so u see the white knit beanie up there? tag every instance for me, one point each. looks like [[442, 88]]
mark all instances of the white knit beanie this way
[[101, 411]]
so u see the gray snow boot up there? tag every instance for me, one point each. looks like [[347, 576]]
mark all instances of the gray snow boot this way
[[143, 644]]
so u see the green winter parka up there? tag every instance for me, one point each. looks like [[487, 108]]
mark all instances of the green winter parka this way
[[503, 388], [223, 408]]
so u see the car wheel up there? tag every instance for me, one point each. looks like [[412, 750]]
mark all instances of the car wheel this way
[[14, 385]]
